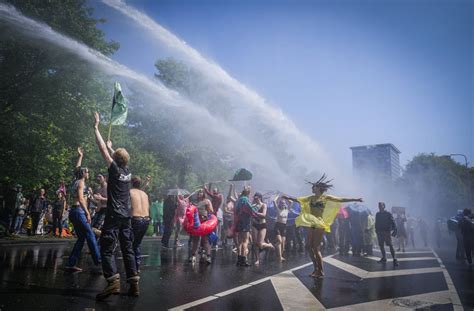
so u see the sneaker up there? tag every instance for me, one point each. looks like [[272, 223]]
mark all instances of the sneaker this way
[[112, 288], [383, 260], [192, 259], [208, 260], [395, 263], [73, 269], [178, 244]]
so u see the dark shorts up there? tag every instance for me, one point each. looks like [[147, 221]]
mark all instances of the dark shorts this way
[[260, 226], [243, 225], [280, 229], [384, 237]]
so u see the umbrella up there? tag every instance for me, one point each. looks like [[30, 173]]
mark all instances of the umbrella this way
[[177, 191], [294, 208], [356, 208], [343, 212], [242, 174]]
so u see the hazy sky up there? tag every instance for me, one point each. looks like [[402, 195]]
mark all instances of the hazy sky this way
[[346, 72]]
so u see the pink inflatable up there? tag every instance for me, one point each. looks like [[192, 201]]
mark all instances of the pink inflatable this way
[[202, 229]]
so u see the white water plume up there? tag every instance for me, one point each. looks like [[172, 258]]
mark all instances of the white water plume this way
[[197, 122], [251, 106]]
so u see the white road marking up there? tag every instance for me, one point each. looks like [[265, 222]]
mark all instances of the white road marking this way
[[293, 294], [233, 290], [455, 300], [194, 303], [402, 259], [409, 252], [363, 274]]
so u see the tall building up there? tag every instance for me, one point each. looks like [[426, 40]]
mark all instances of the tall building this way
[[377, 163]]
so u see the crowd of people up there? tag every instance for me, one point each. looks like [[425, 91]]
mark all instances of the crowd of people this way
[[119, 212]]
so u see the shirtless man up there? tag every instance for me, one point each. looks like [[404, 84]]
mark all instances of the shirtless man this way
[[140, 216]]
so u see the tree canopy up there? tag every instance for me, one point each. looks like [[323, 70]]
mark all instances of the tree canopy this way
[[47, 98], [438, 184]]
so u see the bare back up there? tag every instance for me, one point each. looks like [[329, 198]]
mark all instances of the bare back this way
[[140, 203]]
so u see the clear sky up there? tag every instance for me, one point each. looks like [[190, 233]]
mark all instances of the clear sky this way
[[346, 72]]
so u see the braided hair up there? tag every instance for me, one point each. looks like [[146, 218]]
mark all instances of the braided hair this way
[[323, 184]]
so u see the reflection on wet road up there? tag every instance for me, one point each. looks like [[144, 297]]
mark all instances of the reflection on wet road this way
[[32, 276]]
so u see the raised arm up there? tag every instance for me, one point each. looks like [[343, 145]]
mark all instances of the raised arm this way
[[64, 206], [232, 192], [286, 197], [343, 200], [80, 153], [109, 147], [100, 141], [206, 190], [146, 183]]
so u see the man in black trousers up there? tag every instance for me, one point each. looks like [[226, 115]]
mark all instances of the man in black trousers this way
[[385, 228]]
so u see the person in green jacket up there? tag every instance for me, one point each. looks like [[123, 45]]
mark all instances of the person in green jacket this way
[[156, 212]]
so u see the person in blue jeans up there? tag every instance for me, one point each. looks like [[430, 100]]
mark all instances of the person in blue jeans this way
[[81, 218], [140, 217]]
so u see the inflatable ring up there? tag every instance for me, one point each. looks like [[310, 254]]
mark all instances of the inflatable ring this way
[[201, 229]]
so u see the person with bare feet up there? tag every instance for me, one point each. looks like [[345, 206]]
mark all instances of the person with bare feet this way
[[318, 212], [259, 225]]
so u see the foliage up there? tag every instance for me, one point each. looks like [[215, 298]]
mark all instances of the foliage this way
[[438, 183], [47, 98]]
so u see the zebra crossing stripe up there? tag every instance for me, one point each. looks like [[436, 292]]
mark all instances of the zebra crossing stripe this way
[[456, 301], [293, 295]]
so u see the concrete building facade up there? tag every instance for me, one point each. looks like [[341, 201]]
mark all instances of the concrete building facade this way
[[378, 163]]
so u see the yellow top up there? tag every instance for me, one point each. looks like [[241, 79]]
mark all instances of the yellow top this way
[[318, 213]]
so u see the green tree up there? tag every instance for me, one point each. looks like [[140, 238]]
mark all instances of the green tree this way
[[437, 184], [45, 97]]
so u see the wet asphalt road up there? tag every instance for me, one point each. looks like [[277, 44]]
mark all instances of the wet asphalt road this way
[[32, 277]]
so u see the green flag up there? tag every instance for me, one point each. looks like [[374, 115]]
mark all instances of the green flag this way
[[119, 106]]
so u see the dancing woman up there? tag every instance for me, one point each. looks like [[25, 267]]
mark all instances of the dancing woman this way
[[259, 225], [318, 211]]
